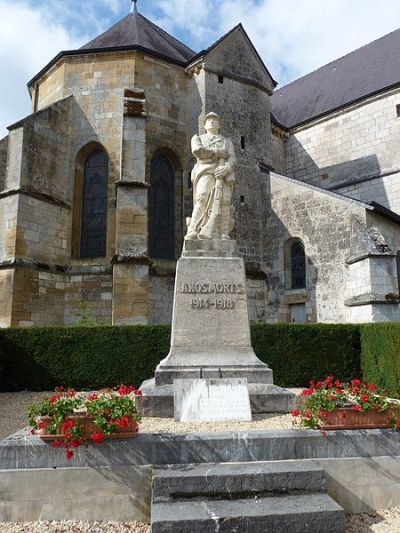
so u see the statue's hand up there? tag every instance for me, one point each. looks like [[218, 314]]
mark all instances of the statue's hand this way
[[220, 172], [223, 153]]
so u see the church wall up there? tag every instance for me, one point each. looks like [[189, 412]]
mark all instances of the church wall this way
[[38, 153], [38, 298], [43, 231], [88, 285], [6, 297], [3, 161], [383, 190], [8, 228], [50, 88], [349, 146], [331, 231], [161, 299], [278, 161]]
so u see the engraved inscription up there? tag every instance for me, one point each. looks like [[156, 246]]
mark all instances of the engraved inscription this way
[[208, 287], [212, 303]]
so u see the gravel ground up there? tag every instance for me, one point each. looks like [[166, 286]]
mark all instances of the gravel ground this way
[[13, 409]]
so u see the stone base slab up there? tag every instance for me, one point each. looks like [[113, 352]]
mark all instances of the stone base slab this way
[[158, 400], [254, 374]]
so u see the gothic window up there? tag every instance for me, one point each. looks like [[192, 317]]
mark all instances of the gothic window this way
[[298, 265], [94, 206], [161, 204]]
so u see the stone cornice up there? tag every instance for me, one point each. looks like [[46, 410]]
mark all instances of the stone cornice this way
[[32, 193]]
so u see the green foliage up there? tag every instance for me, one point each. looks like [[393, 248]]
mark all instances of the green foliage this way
[[297, 353], [80, 357], [105, 356], [380, 356], [86, 318]]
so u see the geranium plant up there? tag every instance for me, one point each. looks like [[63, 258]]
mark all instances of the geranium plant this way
[[62, 416], [324, 397]]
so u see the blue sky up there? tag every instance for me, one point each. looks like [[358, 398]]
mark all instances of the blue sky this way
[[292, 36]]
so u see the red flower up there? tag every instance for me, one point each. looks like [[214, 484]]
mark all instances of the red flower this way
[[139, 393], [97, 437], [93, 397], [356, 383], [364, 398], [67, 435], [41, 425], [331, 397], [337, 383], [107, 411], [338, 391], [306, 392], [75, 443], [323, 414], [356, 407], [71, 393], [56, 444], [58, 389], [69, 454], [307, 414], [54, 398], [372, 386], [295, 412], [398, 424]]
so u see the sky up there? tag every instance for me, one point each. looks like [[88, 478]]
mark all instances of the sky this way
[[293, 37]]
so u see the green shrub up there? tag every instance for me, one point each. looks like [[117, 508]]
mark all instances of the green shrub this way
[[380, 358], [297, 353], [95, 357], [80, 357]]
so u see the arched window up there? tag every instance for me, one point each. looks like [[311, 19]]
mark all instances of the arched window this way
[[94, 206], [298, 265], [161, 205]]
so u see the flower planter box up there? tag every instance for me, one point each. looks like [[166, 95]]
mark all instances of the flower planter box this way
[[347, 418], [89, 427]]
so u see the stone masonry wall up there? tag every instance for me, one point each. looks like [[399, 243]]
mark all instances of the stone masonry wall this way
[[3, 161], [331, 230], [8, 227], [6, 297], [383, 190], [349, 146], [42, 231]]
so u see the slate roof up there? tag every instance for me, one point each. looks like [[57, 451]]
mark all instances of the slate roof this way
[[369, 70], [136, 31]]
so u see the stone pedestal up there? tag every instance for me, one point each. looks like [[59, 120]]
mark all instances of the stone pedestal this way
[[210, 335]]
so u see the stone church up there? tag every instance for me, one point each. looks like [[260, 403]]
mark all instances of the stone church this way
[[95, 184]]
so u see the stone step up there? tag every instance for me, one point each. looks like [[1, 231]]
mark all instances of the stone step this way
[[299, 514], [235, 480], [158, 400]]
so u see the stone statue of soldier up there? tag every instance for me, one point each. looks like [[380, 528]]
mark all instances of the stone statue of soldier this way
[[213, 178]]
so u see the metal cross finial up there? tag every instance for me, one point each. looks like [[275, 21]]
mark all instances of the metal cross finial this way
[[134, 6]]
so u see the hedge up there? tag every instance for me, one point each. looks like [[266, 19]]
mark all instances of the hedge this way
[[102, 356], [297, 353], [80, 357], [380, 355]]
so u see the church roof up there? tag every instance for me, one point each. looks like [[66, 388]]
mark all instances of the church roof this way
[[369, 70], [137, 32]]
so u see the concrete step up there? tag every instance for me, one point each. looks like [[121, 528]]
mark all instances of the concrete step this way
[[235, 480], [299, 514], [158, 400]]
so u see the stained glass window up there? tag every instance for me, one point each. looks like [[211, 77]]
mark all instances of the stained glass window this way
[[94, 206], [162, 199], [298, 265]]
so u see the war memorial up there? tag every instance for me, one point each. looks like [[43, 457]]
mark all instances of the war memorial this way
[[257, 233]]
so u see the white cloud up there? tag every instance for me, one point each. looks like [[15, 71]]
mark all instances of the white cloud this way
[[292, 36], [27, 43]]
